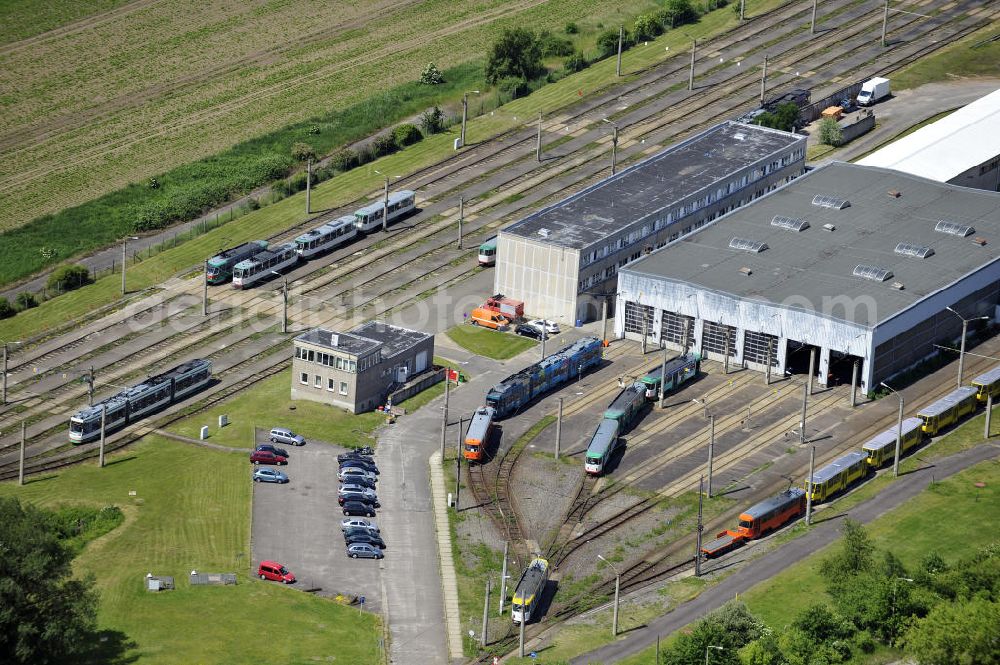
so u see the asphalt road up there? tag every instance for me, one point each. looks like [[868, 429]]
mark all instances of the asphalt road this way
[[779, 559]]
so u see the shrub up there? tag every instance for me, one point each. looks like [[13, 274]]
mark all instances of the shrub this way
[[677, 12], [647, 27], [575, 63], [383, 145], [552, 45], [513, 86], [407, 134], [432, 121], [67, 278], [829, 132], [344, 160], [6, 309], [26, 300], [303, 151], [571, 28], [431, 75], [607, 43]]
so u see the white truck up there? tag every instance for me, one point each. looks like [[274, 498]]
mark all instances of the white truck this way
[[873, 90]]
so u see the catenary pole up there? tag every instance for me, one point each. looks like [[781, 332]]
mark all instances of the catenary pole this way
[[809, 485]]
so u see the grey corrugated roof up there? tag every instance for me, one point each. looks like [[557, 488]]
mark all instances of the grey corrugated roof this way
[[394, 339], [815, 263], [652, 185]]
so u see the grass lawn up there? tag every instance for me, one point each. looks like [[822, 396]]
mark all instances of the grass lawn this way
[[268, 404], [954, 61], [192, 511], [490, 343]]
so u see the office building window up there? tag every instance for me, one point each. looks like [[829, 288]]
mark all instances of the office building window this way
[[304, 378], [343, 387], [331, 384], [318, 381]]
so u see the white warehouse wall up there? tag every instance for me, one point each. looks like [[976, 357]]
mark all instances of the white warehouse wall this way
[[545, 277]]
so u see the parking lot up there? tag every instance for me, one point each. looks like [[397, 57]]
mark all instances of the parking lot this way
[[298, 524]]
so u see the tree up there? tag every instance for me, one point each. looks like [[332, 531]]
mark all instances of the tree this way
[[67, 278], [45, 615], [432, 121], [856, 554], [732, 626], [677, 12], [552, 45], [575, 63], [762, 651], [787, 115], [646, 28], [820, 624], [829, 132], [303, 151], [607, 43], [6, 309], [513, 86], [431, 75], [964, 632], [516, 53], [26, 300]]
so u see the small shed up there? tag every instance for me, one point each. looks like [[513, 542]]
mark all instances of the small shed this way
[[219, 579], [158, 582]]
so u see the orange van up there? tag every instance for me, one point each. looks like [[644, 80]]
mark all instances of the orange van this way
[[488, 319]]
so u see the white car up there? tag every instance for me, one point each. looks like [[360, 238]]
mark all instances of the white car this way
[[357, 489], [549, 327], [349, 522], [347, 473]]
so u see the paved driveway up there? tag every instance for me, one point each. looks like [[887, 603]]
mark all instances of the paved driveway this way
[[298, 524]]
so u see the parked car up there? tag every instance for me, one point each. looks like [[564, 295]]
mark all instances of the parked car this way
[[352, 471], [358, 496], [266, 474], [343, 457], [360, 464], [528, 331], [349, 522], [358, 508], [549, 327], [357, 489], [272, 570], [364, 536], [286, 436], [267, 457], [274, 449], [360, 481], [364, 551], [488, 319]]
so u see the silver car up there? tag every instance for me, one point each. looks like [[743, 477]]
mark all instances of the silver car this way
[[357, 489], [286, 436], [364, 551], [347, 473], [349, 522]]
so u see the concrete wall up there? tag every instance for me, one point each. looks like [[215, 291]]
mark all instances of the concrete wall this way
[[543, 276]]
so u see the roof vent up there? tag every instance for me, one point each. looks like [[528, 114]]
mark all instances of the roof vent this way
[[916, 251], [746, 271], [740, 136], [543, 232], [824, 201], [747, 245], [979, 241], [894, 194], [789, 223], [334, 339], [873, 273], [829, 227], [953, 229], [898, 286]]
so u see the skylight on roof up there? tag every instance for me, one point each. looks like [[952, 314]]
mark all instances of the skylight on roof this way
[[747, 245], [834, 202], [917, 251], [954, 229], [873, 273], [789, 223]]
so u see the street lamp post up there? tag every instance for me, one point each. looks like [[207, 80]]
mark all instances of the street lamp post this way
[[614, 145], [961, 352], [5, 354], [618, 577], [125, 258], [385, 201], [284, 301], [465, 112], [899, 430], [709, 648]]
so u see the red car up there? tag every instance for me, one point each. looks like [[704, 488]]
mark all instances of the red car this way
[[272, 570], [267, 457]]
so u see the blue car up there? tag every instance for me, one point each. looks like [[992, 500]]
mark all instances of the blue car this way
[[268, 475]]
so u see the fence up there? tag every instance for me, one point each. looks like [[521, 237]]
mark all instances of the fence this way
[[815, 110], [417, 384]]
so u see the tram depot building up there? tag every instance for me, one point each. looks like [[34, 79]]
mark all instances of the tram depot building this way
[[358, 370], [856, 264], [563, 260]]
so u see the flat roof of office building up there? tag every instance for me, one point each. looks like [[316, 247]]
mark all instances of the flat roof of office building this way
[[888, 221], [367, 337], [654, 184]]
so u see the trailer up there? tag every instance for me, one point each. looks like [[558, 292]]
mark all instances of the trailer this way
[[509, 307], [758, 521]]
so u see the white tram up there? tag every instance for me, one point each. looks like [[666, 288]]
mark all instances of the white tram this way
[[326, 237], [249, 272], [401, 203]]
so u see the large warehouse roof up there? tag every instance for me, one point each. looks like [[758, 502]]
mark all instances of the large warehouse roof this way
[[947, 148], [612, 204], [888, 220]]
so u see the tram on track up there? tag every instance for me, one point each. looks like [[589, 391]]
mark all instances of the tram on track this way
[[478, 434], [529, 590], [882, 447], [219, 268], [678, 371], [401, 203], [326, 237], [488, 252], [131, 404], [276, 259], [949, 409]]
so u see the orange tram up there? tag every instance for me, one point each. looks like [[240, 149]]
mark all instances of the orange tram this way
[[478, 434]]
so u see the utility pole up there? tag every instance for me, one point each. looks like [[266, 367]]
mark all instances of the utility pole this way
[[614, 149], [486, 615], [204, 293], [802, 425], [465, 113], [645, 329], [5, 373], [104, 419], [124, 260], [663, 378], [711, 450], [503, 576], [444, 415], [542, 338], [812, 30], [899, 437], [725, 362], [742, 18], [854, 385], [989, 414], [604, 320], [461, 218], [385, 207], [812, 368], [767, 367], [621, 38], [809, 485], [458, 462], [885, 22], [309, 172], [538, 140], [763, 81], [559, 427], [284, 305], [701, 527], [20, 462], [520, 638], [694, 46], [685, 341], [90, 387], [961, 354]]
